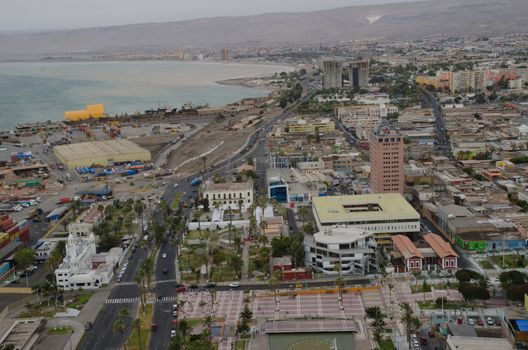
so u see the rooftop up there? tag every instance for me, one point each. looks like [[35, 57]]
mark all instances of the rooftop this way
[[406, 247], [368, 207], [229, 186], [441, 247], [87, 150], [474, 343], [341, 234]]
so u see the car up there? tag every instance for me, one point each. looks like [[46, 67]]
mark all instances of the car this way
[[210, 285], [471, 321], [164, 255], [174, 307], [181, 289], [118, 279], [490, 321], [413, 336], [193, 286], [165, 270], [178, 285], [234, 285], [175, 313], [416, 344], [173, 333], [88, 325], [480, 322], [154, 327]]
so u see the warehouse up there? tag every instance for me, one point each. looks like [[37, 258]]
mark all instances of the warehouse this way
[[100, 153]]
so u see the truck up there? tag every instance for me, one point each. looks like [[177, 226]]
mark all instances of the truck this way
[[196, 181]]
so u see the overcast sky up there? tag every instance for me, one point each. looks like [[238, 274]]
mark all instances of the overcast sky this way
[[31, 15]]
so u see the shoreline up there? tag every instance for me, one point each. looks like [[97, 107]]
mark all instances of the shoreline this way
[[267, 90]]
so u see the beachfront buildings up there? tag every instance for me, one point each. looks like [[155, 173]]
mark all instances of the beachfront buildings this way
[[82, 267], [387, 160], [349, 249], [229, 195], [384, 214]]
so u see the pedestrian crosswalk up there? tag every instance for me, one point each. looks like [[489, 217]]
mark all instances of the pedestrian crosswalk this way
[[122, 300], [162, 300]]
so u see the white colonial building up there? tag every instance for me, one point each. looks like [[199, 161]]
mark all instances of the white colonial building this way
[[82, 267], [229, 194], [352, 248]]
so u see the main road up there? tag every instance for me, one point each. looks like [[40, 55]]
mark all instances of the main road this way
[[255, 149]]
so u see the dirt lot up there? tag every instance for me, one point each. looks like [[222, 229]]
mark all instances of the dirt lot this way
[[213, 135]]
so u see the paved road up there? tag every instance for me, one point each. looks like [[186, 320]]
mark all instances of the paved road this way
[[444, 146], [101, 336]]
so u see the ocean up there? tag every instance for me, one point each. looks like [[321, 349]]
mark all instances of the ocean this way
[[43, 91]]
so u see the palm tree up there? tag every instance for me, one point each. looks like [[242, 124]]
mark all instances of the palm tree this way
[[204, 159], [196, 216], [148, 268], [75, 206], [120, 324], [139, 278], [139, 208], [208, 325], [302, 212]]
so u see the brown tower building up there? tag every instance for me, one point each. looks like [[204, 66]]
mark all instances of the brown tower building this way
[[386, 160]]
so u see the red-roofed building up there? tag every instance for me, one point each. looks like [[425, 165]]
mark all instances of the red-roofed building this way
[[406, 257], [447, 257]]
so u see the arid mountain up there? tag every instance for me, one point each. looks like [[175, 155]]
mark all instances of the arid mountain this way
[[400, 20]]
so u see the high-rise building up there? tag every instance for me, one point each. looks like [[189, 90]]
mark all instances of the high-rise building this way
[[386, 160], [332, 74], [224, 55], [359, 74]]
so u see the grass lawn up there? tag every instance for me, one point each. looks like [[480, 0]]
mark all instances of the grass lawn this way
[[486, 264], [60, 330], [510, 261], [222, 273], [34, 313], [146, 322], [240, 345], [386, 344], [79, 301], [431, 305]]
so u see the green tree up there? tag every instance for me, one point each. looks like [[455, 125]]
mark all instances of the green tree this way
[[408, 319], [23, 258]]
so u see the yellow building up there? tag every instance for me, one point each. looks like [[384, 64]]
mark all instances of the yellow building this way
[[91, 111], [303, 126], [100, 152]]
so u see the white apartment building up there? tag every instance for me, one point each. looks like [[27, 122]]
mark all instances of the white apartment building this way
[[364, 118], [85, 223], [229, 194], [82, 267], [352, 248], [383, 214]]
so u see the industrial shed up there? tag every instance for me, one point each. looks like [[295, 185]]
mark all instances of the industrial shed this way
[[85, 154]]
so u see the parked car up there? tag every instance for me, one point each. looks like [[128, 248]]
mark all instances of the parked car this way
[[234, 285], [165, 270], [471, 321], [164, 255], [178, 285], [88, 325], [154, 327], [480, 322], [173, 333], [490, 321], [181, 289], [210, 285]]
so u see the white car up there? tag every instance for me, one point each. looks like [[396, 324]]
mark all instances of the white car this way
[[490, 321], [163, 255], [471, 321], [173, 333], [234, 285], [175, 185]]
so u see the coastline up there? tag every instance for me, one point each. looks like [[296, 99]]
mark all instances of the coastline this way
[[241, 80]]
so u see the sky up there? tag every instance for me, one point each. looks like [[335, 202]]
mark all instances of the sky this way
[[39, 15]]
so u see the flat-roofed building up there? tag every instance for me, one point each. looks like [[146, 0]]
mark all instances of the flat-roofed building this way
[[85, 154], [384, 214], [229, 194], [304, 126], [387, 160], [332, 74], [353, 249], [476, 343]]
